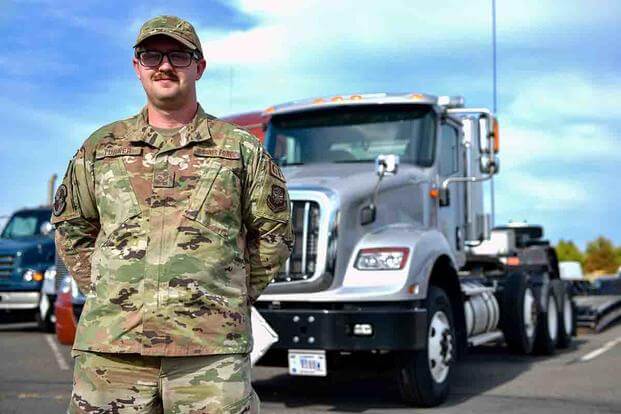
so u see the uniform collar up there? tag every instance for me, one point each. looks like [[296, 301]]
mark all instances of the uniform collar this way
[[195, 131]]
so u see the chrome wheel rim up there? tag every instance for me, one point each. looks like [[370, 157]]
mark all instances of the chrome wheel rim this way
[[439, 346], [568, 315], [530, 313], [552, 318]]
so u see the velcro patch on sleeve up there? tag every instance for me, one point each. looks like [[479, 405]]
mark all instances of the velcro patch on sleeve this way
[[217, 153], [276, 172], [117, 152], [60, 200], [277, 200]]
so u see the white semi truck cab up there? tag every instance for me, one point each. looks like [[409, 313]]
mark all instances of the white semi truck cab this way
[[395, 253]]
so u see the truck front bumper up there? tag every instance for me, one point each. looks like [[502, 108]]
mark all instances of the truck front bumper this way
[[359, 328], [19, 300]]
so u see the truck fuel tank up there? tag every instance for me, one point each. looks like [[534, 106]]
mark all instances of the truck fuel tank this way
[[481, 308]]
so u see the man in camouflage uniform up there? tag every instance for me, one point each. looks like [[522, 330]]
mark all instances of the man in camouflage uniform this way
[[172, 223]]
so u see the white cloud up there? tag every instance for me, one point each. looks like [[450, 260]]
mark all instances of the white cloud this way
[[534, 192], [566, 96], [561, 117], [319, 28], [562, 142]]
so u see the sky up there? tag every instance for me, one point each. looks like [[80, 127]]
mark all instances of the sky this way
[[66, 70]]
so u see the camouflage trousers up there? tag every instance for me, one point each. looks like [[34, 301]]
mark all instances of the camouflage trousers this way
[[130, 383]]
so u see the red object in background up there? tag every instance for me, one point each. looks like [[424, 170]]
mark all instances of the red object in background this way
[[65, 320], [252, 121]]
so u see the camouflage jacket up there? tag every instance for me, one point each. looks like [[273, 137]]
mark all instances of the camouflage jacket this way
[[171, 239]]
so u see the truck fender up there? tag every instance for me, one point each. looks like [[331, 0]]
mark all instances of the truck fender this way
[[425, 247]]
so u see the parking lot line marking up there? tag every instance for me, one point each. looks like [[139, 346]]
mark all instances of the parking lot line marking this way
[[594, 354], [62, 364]]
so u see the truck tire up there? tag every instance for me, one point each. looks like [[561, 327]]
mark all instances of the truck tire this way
[[566, 315], [424, 375], [518, 314], [547, 325]]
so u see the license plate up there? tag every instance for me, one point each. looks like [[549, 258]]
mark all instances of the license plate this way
[[311, 363]]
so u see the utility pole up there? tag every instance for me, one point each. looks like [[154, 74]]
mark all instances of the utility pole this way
[[494, 52], [495, 105]]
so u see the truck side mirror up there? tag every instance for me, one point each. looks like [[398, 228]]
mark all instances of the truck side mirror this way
[[386, 164], [489, 163], [489, 135]]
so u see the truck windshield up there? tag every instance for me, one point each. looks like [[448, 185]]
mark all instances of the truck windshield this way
[[353, 134], [26, 224]]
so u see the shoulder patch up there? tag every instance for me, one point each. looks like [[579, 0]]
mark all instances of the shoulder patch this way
[[216, 152], [60, 200], [276, 200], [275, 171]]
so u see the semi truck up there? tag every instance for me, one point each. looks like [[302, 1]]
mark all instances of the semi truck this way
[[396, 254]]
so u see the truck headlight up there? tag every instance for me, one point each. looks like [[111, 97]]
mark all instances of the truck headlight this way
[[50, 273], [382, 258], [31, 275]]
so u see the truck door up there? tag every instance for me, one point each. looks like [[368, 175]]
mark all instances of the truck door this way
[[450, 163]]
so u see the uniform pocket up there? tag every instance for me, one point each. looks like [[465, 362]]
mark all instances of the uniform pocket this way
[[116, 199], [215, 203]]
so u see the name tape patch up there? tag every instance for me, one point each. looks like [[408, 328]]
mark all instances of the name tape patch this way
[[117, 152], [216, 152]]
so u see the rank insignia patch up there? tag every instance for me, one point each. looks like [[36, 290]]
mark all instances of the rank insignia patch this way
[[60, 200], [164, 179], [276, 201]]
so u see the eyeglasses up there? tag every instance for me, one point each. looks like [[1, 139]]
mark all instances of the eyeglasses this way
[[177, 58]]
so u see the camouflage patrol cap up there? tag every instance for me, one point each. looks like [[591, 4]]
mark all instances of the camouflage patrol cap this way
[[171, 26]]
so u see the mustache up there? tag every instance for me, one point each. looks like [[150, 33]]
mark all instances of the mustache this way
[[164, 75]]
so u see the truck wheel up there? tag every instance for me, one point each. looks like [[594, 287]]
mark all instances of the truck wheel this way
[[518, 314], [547, 327], [567, 317], [424, 375]]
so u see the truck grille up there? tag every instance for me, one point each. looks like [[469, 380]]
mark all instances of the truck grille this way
[[303, 260], [61, 272], [6, 265]]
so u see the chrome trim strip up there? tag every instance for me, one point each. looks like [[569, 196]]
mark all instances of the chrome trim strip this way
[[288, 262], [328, 207], [305, 236]]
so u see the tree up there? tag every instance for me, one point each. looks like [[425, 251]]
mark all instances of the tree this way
[[601, 256], [568, 251]]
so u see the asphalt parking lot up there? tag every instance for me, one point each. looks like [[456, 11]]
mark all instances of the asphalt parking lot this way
[[35, 377]]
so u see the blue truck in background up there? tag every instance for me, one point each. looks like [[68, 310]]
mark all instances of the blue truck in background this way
[[27, 270]]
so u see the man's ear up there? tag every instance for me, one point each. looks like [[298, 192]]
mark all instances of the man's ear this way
[[136, 65], [200, 68]]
